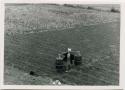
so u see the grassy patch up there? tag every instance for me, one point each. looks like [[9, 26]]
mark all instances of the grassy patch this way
[[34, 37]]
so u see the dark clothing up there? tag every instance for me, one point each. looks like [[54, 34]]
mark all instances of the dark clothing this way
[[71, 57]]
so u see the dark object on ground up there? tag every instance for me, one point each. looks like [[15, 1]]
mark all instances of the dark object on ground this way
[[69, 5], [78, 60], [90, 7], [32, 73], [114, 10], [60, 65]]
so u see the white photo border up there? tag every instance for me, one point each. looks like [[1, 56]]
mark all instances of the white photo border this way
[[122, 44]]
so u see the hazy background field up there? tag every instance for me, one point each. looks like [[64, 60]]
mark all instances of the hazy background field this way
[[36, 33]]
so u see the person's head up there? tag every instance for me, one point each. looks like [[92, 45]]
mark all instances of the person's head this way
[[69, 50], [59, 55]]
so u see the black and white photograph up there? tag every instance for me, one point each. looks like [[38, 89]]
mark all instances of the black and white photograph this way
[[61, 44], [62, 89]]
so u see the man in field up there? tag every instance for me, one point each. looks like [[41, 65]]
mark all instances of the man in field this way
[[69, 58]]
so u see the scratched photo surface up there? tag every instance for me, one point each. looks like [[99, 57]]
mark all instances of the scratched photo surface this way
[[61, 44]]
